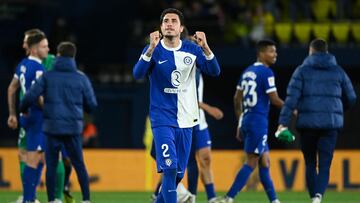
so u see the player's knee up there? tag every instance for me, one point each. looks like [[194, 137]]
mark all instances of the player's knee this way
[[265, 163], [252, 163], [205, 161]]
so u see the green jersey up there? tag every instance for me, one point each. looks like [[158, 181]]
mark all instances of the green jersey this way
[[48, 62]]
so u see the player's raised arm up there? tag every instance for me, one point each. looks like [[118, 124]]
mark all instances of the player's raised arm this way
[[206, 59], [142, 67], [12, 120]]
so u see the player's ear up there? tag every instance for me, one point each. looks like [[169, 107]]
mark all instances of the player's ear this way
[[181, 28]]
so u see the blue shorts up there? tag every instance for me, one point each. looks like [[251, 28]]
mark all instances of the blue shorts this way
[[32, 124], [255, 139], [202, 138], [172, 147], [35, 140]]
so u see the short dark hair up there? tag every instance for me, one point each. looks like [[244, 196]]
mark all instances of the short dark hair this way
[[172, 10], [66, 49], [33, 31], [261, 45], [35, 39], [319, 45]]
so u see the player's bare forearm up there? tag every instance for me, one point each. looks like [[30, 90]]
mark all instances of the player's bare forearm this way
[[207, 50], [275, 100], [14, 85], [41, 102], [211, 110], [149, 52], [237, 103]]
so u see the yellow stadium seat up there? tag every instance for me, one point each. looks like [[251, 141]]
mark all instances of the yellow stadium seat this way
[[283, 32], [355, 28], [322, 30], [322, 8], [302, 32], [341, 32]]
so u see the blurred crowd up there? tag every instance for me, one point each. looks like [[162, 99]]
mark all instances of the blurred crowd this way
[[246, 21], [108, 33]]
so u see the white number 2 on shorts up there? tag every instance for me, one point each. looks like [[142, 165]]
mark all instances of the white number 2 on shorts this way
[[264, 140], [165, 149]]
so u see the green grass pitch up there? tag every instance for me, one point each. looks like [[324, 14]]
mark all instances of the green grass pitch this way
[[246, 197]]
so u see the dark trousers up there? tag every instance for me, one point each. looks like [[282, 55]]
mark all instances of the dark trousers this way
[[73, 146], [317, 147]]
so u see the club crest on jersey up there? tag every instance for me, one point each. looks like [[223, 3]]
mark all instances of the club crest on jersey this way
[[187, 60], [175, 78], [168, 162]]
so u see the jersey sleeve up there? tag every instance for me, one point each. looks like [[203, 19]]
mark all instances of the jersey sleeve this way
[[18, 70], [207, 64], [143, 65], [269, 81]]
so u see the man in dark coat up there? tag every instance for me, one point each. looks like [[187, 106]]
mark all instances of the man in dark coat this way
[[320, 91]]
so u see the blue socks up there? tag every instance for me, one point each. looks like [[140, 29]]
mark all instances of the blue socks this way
[[30, 182], [210, 191], [39, 172], [168, 189], [240, 180], [267, 183]]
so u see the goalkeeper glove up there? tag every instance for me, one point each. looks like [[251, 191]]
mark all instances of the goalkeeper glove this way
[[284, 134]]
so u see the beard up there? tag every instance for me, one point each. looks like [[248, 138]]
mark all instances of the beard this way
[[169, 37]]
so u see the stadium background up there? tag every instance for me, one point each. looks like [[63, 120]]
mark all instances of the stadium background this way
[[110, 35]]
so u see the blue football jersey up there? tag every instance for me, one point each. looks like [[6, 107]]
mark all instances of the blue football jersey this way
[[256, 82], [27, 71], [173, 97]]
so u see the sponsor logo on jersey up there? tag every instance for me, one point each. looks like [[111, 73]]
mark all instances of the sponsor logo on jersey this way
[[161, 62], [174, 90], [176, 78]]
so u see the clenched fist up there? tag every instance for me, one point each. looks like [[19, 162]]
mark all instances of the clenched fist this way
[[200, 39], [154, 39]]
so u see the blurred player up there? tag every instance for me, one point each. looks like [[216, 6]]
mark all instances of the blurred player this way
[[202, 147], [28, 70], [255, 91], [170, 66], [65, 101]]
